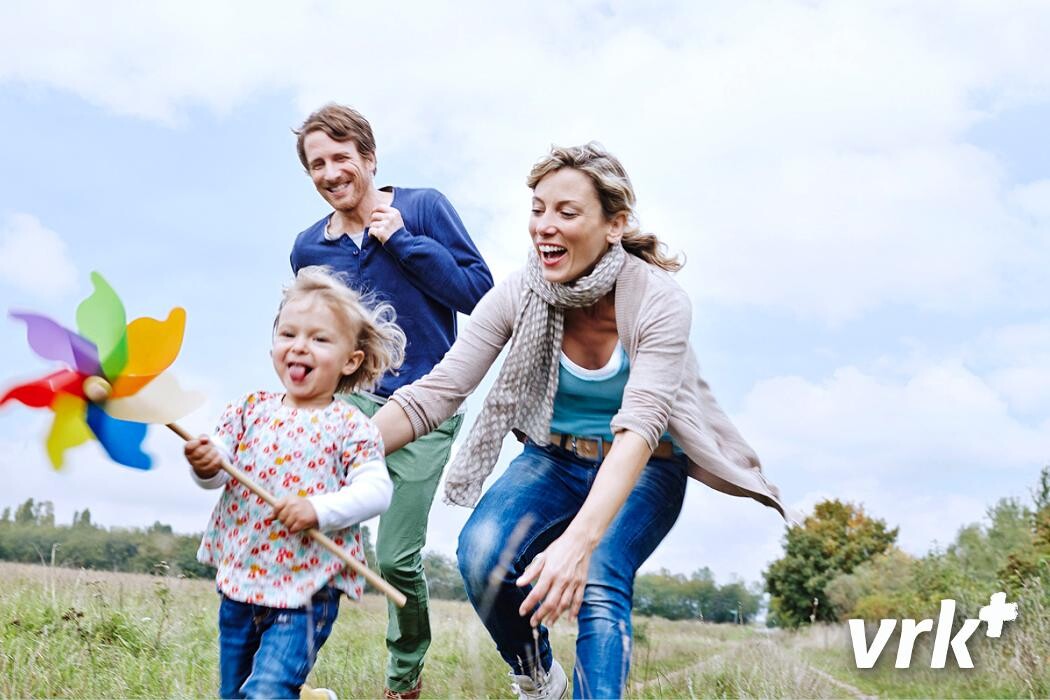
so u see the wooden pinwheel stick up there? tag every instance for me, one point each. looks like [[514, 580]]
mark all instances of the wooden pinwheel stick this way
[[322, 539]]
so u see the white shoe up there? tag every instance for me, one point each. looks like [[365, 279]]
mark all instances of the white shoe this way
[[308, 693], [545, 686]]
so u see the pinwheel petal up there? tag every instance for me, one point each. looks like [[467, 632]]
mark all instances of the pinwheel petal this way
[[41, 393], [101, 319], [162, 401], [122, 440], [152, 346], [52, 341], [68, 430]]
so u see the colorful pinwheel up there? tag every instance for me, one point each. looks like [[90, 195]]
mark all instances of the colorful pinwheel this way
[[112, 385]]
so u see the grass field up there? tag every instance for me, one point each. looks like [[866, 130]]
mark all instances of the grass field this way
[[89, 634]]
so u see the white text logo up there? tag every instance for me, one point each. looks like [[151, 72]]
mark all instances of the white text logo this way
[[994, 614]]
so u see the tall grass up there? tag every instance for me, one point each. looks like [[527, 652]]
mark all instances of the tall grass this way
[[76, 634]]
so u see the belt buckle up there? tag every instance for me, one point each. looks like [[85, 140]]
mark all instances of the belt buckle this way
[[598, 452]]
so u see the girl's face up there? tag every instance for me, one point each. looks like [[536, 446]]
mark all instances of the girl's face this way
[[568, 227], [312, 352]]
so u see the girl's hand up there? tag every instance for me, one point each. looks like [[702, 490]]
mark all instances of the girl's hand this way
[[295, 513], [560, 575], [203, 457]]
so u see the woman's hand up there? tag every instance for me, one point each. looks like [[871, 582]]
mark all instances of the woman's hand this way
[[560, 572], [560, 575], [295, 513]]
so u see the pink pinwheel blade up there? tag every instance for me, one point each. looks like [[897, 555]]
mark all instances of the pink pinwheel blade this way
[[51, 341], [41, 392]]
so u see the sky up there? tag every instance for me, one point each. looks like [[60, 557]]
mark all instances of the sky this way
[[861, 192]]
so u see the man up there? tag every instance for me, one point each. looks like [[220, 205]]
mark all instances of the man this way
[[407, 247]]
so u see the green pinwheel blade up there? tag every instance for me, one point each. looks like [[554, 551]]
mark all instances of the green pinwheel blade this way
[[101, 319]]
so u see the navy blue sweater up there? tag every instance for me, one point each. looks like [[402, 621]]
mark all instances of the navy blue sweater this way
[[428, 270]]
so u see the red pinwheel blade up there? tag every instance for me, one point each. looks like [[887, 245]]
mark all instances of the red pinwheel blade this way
[[121, 439], [52, 341], [41, 392]]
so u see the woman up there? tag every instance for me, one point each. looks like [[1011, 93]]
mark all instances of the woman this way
[[602, 387]]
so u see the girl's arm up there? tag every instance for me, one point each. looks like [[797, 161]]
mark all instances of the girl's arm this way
[[368, 489], [366, 496]]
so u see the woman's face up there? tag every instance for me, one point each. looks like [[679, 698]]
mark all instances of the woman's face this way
[[567, 225]]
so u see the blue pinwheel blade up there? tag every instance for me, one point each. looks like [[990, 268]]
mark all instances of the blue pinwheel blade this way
[[121, 439]]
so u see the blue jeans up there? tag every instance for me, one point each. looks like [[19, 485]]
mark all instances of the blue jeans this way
[[268, 652], [521, 514]]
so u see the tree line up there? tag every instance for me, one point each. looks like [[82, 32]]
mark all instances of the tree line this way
[[29, 534], [843, 563]]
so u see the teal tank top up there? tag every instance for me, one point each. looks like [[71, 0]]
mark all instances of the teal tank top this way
[[587, 399]]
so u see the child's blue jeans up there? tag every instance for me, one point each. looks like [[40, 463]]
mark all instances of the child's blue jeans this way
[[268, 652], [528, 508]]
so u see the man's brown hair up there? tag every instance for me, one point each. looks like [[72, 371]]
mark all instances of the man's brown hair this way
[[341, 123]]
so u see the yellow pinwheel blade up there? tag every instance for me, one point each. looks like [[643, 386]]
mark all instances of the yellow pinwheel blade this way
[[162, 401], [69, 428], [152, 346]]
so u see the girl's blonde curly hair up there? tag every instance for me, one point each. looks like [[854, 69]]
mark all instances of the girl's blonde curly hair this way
[[373, 325]]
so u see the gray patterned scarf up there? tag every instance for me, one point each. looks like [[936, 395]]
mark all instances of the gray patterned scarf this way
[[523, 395]]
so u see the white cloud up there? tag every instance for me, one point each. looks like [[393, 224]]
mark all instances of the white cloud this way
[[34, 259], [808, 157], [1017, 360], [942, 419]]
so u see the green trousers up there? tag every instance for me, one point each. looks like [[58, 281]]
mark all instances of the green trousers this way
[[415, 470]]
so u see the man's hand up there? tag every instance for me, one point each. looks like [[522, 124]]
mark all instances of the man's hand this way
[[385, 222], [203, 457], [295, 513]]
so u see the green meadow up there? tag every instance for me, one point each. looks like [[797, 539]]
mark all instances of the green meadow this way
[[88, 634]]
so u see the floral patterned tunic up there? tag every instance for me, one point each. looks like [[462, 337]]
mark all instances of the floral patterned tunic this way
[[287, 451]]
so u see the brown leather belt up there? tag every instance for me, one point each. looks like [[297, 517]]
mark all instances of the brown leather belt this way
[[593, 448]]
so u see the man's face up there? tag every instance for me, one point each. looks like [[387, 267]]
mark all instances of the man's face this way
[[341, 175]]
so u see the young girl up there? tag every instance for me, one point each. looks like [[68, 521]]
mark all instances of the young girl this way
[[322, 459]]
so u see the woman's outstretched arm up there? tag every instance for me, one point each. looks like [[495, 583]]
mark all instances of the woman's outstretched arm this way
[[560, 571], [394, 426]]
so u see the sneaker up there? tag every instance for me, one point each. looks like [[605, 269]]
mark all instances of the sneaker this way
[[412, 694], [545, 686], [308, 693]]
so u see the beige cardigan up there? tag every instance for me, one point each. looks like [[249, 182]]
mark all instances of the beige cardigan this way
[[664, 388]]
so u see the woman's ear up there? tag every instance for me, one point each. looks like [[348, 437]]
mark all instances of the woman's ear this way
[[617, 225]]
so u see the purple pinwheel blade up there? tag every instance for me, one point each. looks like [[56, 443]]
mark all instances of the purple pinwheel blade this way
[[121, 439], [51, 341]]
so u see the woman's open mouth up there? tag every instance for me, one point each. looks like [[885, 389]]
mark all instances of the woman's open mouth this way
[[551, 254]]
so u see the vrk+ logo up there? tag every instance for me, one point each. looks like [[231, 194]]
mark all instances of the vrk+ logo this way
[[994, 614]]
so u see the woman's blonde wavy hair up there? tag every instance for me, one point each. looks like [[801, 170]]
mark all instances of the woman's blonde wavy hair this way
[[373, 325], [615, 193]]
